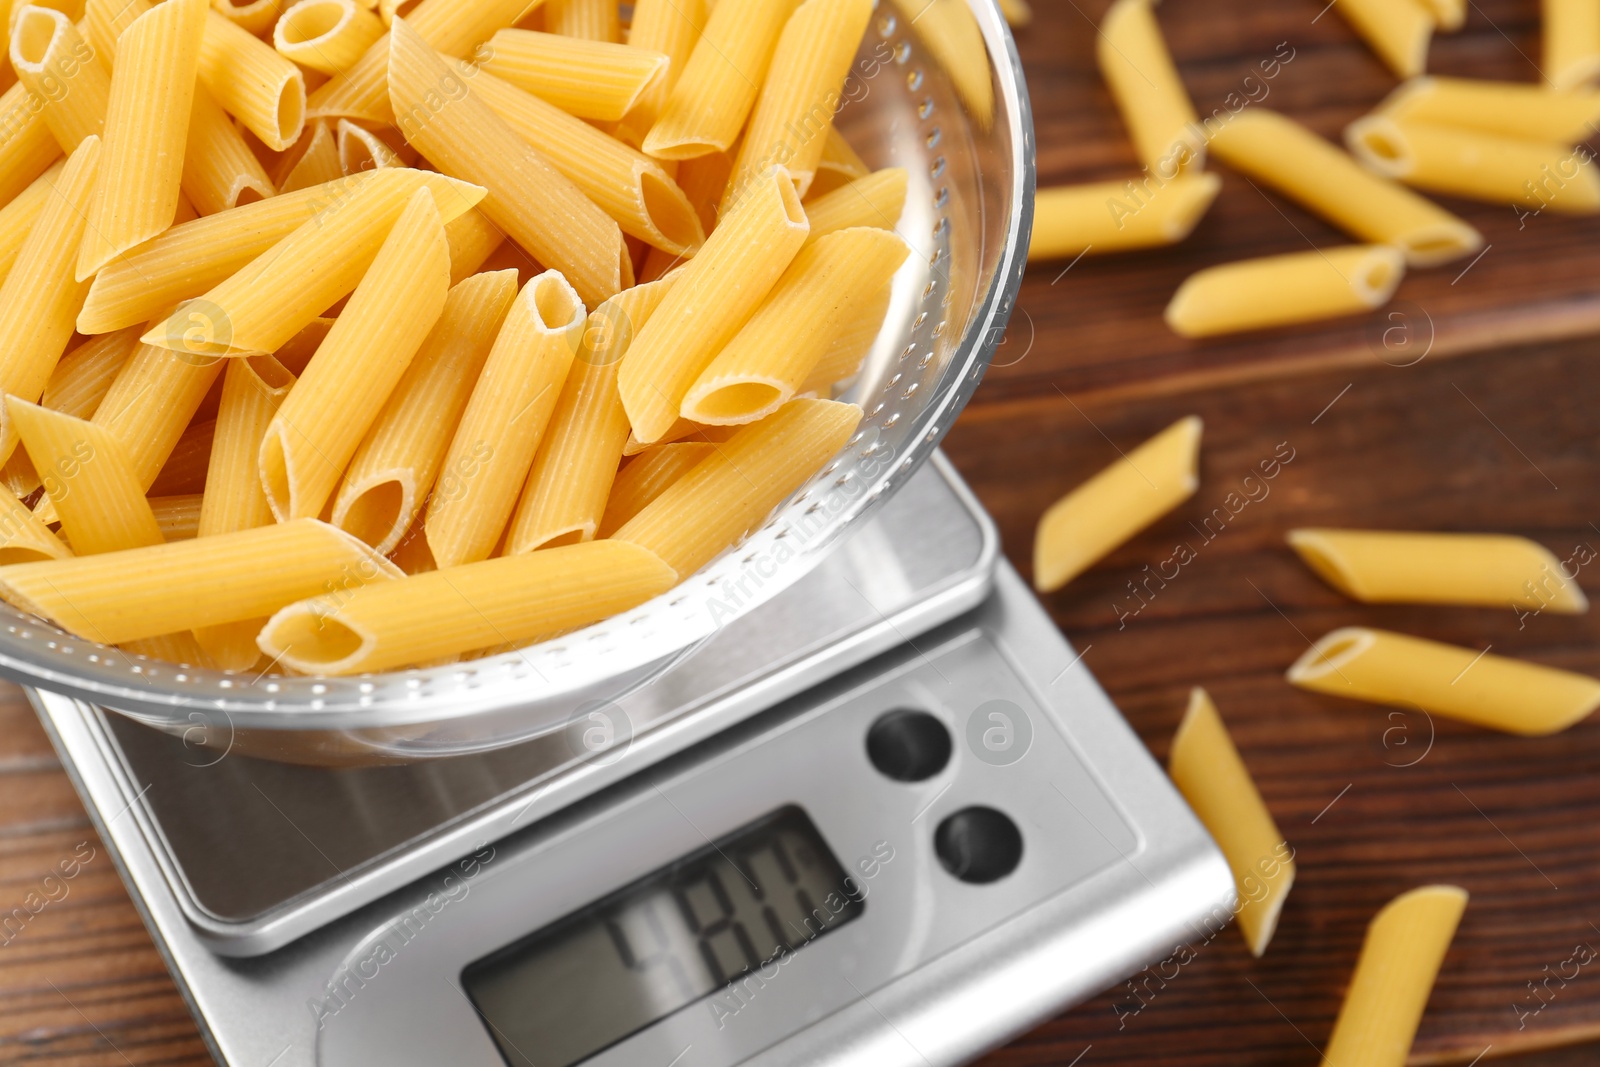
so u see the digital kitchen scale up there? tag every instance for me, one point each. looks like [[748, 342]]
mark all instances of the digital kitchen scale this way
[[887, 818]]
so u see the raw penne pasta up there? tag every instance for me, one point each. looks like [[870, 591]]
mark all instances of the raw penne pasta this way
[[729, 492], [127, 595], [505, 420], [838, 166], [178, 517], [101, 505], [850, 346], [1256, 294], [719, 291], [951, 33], [1017, 12], [713, 96], [768, 360], [627, 185], [412, 554], [27, 147], [1102, 217], [1395, 567], [254, 17], [472, 239], [1155, 106], [252, 82], [593, 20], [278, 293], [152, 92], [17, 217], [878, 199], [804, 87], [1478, 165], [40, 297], [1084, 526], [1511, 109], [394, 470], [514, 600], [56, 64], [151, 401], [589, 79], [104, 22], [219, 170], [1449, 15], [1458, 683], [702, 180], [185, 469], [1400, 959], [530, 200], [671, 27], [180, 649], [1211, 775], [572, 472], [1398, 33], [23, 538], [646, 477], [313, 160], [361, 149], [83, 377], [326, 35], [1266, 146], [682, 429], [1571, 34], [338, 398]]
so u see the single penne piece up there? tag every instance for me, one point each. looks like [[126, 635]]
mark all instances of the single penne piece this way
[[713, 96], [627, 185], [326, 35], [1213, 778], [1257, 294], [702, 180], [17, 217], [412, 554], [592, 20], [646, 477], [263, 304], [878, 199], [951, 33], [804, 87], [101, 505], [1104, 217], [1156, 107], [178, 517], [253, 16], [219, 170], [147, 122], [473, 239], [514, 600], [253, 83], [541, 210], [313, 160], [55, 63], [1400, 960], [1279, 152], [1398, 33], [1084, 526], [1511, 109], [127, 595], [23, 538], [1449, 15], [589, 79], [505, 420], [338, 398], [391, 475], [1571, 35], [27, 147], [1478, 165], [83, 377], [827, 285], [838, 166], [1398, 567], [361, 149], [732, 490], [185, 469], [565, 495], [151, 401], [671, 27], [850, 346], [1459, 683], [720, 289]]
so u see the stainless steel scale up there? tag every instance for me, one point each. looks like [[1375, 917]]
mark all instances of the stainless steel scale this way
[[887, 818]]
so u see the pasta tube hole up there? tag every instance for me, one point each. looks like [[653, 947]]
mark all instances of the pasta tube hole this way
[[1382, 145], [18, 554], [1378, 275], [1331, 653], [36, 31], [291, 109], [310, 20], [313, 639], [555, 302], [742, 401], [669, 209], [375, 515]]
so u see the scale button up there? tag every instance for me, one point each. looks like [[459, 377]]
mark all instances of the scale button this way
[[978, 845], [908, 745]]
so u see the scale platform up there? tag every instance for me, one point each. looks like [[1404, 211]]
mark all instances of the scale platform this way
[[886, 818]]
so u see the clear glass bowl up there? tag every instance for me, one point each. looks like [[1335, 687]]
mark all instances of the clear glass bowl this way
[[916, 99]]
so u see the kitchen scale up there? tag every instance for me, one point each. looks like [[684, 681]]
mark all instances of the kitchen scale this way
[[886, 818]]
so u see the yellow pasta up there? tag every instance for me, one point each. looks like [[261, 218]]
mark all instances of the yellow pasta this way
[[100, 503], [1208, 771], [513, 601], [252, 82], [57, 65], [17, 217], [1138, 68], [178, 517], [23, 538], [1571, 34], [1017, 12], [505, 420], [1102, 217], [279, 292], [850, 346], [326, 35], [589, 79], [1400, 959], [254, 16], [646, 477], [1448, 14], [572, 472], [804, 87], [1458, 683], [185, 469], [83, 377], [1398, 32], [394, 470], [593, 20], [219, 170], [1256, 294], [1512, 109], [473, 239], [313, 160], [1394, 567], [1478, 165], [878, 199], [127, 595], [322, 421], [151, 401], [827, 285], [361, 149], [152, 91], [838, 166], [671, 27], [713, 96], [731, 491], [681, 429], [950, 31], [719, 291], [104, 22], [27, 147], [1279, 152], [1084, 526], [528, 198]]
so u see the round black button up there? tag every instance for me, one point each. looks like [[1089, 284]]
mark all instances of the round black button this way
[[908, 745], [978, 845]]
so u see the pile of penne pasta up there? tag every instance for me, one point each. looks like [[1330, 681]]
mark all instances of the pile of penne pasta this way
[[1499, 142], [275, 394]]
